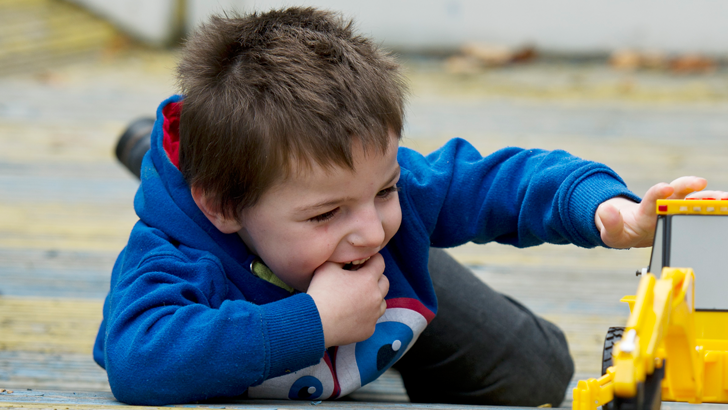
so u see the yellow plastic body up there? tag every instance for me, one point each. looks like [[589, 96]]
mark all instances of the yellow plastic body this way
[[711, 346], [592, 393], [660, 326], [711, 333], [664, 325], [692, 207]]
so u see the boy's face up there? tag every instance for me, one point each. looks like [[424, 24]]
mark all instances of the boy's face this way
[[326, 215]]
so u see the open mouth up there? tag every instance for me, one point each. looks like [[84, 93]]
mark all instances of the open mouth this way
[[354, 265]]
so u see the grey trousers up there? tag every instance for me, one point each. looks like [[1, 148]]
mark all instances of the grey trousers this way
[[484, 347]]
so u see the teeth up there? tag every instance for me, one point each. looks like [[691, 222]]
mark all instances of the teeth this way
[[360, 261]]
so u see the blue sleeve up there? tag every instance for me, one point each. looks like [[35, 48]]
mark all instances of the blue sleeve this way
[[171, 335], [513, 196]]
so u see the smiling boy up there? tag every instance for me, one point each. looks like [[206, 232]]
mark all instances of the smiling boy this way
[[321, 220], [283, 241]]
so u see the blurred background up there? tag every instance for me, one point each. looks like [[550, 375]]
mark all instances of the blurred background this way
[[641, 85]]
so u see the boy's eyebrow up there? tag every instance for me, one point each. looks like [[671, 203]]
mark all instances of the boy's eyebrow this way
[[394, 176], [323, 204], [332, 202]]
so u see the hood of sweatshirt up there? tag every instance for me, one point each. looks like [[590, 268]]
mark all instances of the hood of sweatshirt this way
[[164, 201]]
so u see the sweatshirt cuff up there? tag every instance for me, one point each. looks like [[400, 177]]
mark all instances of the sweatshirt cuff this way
[[586, 198], [295, 334]]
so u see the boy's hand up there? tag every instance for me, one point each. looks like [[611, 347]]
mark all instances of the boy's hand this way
[[625, 224], [349, 302]]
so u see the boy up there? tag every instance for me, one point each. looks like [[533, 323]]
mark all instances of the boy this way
[[282, 248]]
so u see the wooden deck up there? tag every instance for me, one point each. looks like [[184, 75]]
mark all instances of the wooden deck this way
[[66, 206]]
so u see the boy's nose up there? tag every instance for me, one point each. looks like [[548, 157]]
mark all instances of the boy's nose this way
[[368, 231]]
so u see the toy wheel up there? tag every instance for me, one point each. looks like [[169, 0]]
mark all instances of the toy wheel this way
[[614, 334], [648, 393]]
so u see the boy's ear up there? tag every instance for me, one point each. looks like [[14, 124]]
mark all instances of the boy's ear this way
[[222, 223]]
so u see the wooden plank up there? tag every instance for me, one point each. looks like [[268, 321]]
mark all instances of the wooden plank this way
[[49, 371], [48, 325], [81, 400], [54, 273], [66, 227], [100, 400], [39, 33], [65, 205]]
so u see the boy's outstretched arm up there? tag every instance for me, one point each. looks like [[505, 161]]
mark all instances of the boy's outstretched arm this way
[[623, 223]]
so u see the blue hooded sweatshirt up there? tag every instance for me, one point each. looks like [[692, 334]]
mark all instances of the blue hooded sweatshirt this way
[[186, 320]]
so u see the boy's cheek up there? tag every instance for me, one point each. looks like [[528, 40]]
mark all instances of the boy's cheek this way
[[392, 225], [397, 220]]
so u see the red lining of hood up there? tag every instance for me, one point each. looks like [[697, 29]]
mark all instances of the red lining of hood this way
[[171, 113]]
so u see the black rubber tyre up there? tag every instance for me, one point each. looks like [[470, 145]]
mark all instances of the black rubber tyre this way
[[614, 334], [648, 393]]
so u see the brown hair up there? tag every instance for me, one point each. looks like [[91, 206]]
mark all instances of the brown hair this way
[[267, 93]]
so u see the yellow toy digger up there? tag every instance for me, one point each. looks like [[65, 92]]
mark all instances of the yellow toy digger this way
[[675, 344]]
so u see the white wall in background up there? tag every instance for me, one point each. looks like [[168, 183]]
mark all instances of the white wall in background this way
[[199, 10], [571, 26], [152, 21]]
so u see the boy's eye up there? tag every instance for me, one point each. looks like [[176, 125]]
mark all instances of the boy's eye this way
[[324, 216], [384, 193]]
